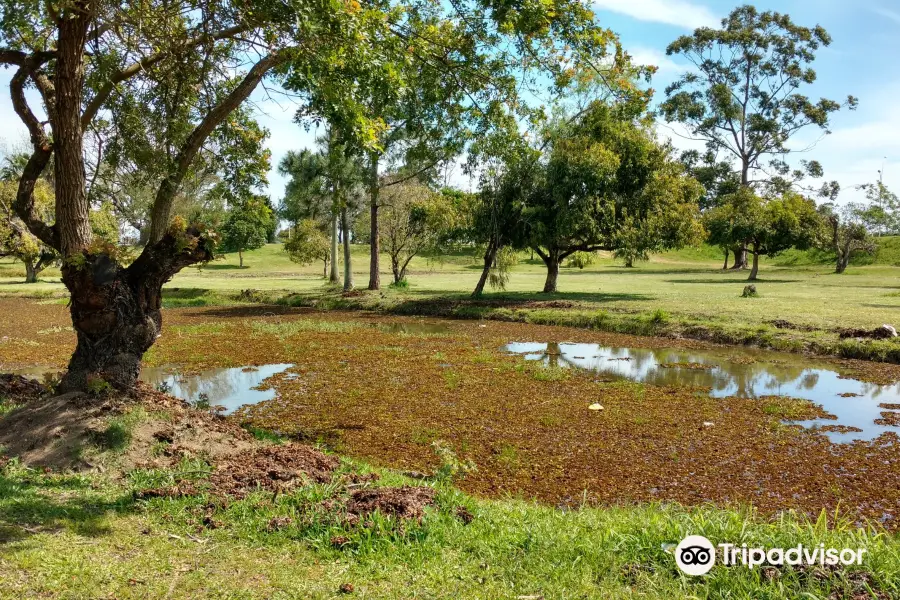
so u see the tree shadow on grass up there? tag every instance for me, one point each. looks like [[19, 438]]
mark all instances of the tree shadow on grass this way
[[184, 293], [743, 280], [515, 299], [212, 267], [32, 503]]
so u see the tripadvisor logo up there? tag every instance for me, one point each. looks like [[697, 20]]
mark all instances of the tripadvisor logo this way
[[696, 555]]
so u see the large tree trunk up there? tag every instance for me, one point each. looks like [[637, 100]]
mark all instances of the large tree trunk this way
[[374, 242], [489, 255], [30, 271], [116, 310], [740, 258], [348, 271], [755, 268], [725, 266], [333, 276], [552, 260], [629, 262], [72, 210], [843, 259]]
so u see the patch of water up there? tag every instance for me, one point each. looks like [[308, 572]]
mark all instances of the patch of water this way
[[739, 372], [229, 388]]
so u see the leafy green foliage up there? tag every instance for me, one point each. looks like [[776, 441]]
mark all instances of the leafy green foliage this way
[[247, 226], [742, 97], [768, 226], [308, 243], [607, 184]]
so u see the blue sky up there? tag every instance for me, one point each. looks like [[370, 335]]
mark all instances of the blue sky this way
[[863, 60]]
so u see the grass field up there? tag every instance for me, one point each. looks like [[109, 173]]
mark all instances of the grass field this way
[[104, 533], [677, 294]]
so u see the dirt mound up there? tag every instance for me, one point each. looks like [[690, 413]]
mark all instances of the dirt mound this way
[[404, 502], [884, 332], [20, 389], [54, 431], [50, 432], [272, 468]]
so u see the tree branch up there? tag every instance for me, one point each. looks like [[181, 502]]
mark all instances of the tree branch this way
[[37, 162], [165, 196], [130, 71]]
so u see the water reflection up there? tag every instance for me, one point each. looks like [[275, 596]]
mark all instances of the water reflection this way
[[747, 373], [229, 388]]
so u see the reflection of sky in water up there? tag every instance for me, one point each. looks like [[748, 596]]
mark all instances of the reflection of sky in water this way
[[230, 388], [769, 374]]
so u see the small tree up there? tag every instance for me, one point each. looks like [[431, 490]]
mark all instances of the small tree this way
[[15, 239], [413, 217], [309, 243], [844, 233], [769, 226], [882, 215], [247, 227], [604, 176]]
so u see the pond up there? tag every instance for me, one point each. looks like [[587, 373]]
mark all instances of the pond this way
[[736, 372], [228, 388]]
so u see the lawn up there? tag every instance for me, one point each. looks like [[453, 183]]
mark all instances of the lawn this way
[[689, 283]]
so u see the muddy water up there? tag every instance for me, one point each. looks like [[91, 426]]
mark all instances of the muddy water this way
[[229, 388], [738, 372]]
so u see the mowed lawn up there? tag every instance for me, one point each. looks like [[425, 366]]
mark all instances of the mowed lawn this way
[[688, 283]]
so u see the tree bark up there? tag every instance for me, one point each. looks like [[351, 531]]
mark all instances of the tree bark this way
[[552, 260], [395, 267], [843, 258], [116, 310], [489, 255], [30, 271], [725, 266], [755, 268], [740, 258], [334, 277], [240, 258], [374, 242], [348, 271], [73, 226], [629, 262]]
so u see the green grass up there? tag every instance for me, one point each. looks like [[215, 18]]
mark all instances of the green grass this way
[[79, 536], [683, 293]]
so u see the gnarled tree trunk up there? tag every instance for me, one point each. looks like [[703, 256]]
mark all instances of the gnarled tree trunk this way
[[740, 258], [30, 272], [116, 310]]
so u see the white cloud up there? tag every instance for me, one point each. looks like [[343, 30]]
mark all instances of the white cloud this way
[[666, 67], [672, 12]]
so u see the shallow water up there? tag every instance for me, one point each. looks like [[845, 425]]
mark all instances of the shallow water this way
[[738, 372], [229, 388]]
